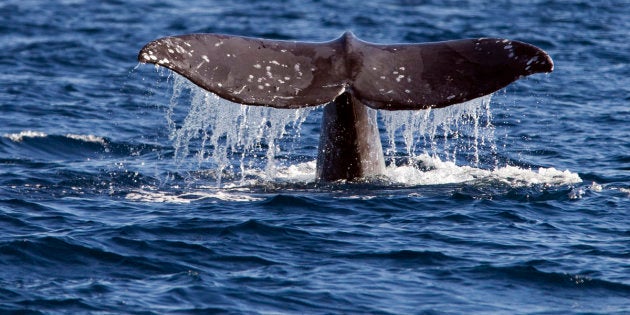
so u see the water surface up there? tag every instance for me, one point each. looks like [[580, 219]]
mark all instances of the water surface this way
[[515, 206]]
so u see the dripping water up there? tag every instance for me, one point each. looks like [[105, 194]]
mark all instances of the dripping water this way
[[459, 131], [241, 143], [229, 138]]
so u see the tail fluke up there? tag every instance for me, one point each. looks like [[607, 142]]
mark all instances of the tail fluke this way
[[288, 74]]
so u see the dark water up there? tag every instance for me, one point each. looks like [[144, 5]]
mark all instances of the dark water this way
[[101, 213]]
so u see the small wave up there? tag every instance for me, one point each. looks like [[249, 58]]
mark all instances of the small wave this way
[[295, 202], [19, 137], [59, 144], [532, 275], [267, 230], [188, 197], [73, 258], [406, 257], [30, 134], [39, 145], [87, 138]]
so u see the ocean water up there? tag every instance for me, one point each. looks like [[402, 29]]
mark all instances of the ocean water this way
[[126, 190]]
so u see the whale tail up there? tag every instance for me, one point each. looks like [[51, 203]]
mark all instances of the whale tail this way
[[346, 74], [286, 74]]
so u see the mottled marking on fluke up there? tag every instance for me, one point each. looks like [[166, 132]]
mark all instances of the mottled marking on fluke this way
[[346, 74]]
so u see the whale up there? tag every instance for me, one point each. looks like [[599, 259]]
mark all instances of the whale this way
[[348, 76]]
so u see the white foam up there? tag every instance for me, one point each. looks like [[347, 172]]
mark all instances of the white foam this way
[[625, 190], [434, 171], [515, 176], [87, 138], [166, 197], [301, 172], [19, 137]]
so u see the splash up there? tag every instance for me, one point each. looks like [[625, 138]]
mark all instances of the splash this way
[[226, 132], [431, 170], [445, 132], [433, 141], [428, 147]]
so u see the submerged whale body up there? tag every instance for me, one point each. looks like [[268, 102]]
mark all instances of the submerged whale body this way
[[348, 75]]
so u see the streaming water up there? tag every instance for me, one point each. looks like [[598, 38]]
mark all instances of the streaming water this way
[[442, 132], [231, 137], [424, 147]]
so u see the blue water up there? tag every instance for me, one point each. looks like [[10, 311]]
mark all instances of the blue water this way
[[102, 212]]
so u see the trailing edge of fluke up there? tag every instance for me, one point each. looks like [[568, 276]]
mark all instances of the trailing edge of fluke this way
[[346, 73]]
